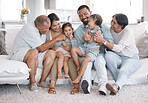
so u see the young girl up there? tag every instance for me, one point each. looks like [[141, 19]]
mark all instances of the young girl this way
[[90, 49], [64, 55]]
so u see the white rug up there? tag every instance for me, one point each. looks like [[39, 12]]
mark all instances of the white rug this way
[[128, 94]]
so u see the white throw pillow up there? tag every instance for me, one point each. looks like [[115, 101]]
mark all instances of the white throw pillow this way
[[141, 38], [11, 66]]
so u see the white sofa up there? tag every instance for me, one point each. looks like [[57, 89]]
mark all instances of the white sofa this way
[[15, 72]]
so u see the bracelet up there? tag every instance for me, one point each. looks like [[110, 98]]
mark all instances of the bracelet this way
[[105, 42]]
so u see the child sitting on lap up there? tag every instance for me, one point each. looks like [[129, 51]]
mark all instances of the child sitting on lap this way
[[90, 49]]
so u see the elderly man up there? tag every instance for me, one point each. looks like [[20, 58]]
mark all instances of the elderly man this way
[[30, 47]]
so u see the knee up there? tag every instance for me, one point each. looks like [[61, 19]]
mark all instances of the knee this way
[[87, 59], [33, 53], [73, 50], [51, 54]]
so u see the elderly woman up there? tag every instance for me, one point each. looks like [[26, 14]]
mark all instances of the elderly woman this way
[[123, 54]]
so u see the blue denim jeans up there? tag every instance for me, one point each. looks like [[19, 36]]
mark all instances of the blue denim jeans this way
[[126, 66]]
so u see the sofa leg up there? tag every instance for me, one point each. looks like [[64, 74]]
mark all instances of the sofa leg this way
[[19, 88]]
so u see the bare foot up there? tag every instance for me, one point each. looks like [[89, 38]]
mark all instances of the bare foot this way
[[76, 81], [66, 76], [60, 75], [78, 68]]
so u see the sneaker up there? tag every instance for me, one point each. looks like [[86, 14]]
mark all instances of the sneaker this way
[[33, 87], [43, 85], [103, 90], [85, 87]]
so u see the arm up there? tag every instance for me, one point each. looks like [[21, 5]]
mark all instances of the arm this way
[[87, 37], [49, 44], [66, 47], [99, 39]]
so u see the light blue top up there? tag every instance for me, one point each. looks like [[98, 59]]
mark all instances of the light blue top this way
[[60, 44], [27, 38], [93, 44], [80, 31]]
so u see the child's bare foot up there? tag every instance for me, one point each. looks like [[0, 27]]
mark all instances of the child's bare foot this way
[[66, 76], [60, 75], [78, 68], [76, 81]]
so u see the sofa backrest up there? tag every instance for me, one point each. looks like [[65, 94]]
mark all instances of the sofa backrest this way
[[141, 37]]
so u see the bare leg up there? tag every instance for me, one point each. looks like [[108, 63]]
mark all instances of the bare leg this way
[[48, 61], [66, 58], [60, 63], [75, 52], [31, 59], [82, 69]]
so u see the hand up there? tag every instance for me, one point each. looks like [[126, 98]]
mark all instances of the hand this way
[[61, 37], [64, 43], [55, 48], [98, 38], [86, 37], [67, 48], [71, 37]]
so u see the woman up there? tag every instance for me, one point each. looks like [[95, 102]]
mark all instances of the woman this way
[[124, 54], [53, 33]]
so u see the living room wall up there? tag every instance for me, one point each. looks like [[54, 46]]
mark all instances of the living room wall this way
[[145, 9]]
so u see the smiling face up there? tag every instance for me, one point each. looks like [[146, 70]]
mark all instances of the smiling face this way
[[115, 26], [84, 15], [44, 28], [56, 26], [68, 31]]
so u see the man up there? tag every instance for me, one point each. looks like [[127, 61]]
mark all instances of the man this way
[[30, 47], [99, 64]]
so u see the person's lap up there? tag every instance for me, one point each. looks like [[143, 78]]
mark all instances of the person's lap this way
[[19, 56]]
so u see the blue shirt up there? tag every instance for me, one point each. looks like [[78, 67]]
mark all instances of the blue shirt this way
[[93, 44], [80, 31], [60, 44]]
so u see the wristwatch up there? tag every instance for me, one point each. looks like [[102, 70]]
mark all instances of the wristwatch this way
[[105, 42]]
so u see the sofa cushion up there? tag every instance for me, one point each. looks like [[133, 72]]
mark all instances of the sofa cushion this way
[[15, 68], [141, 37], [2, 44]]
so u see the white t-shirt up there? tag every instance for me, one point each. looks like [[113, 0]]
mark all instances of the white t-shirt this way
[[27, 38], [125, 42]]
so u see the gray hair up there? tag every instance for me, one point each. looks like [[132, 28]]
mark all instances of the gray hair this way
[[40, 20]]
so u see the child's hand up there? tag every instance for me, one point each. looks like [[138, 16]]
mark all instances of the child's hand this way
[[55, 48], [64, 43], [71, 37]]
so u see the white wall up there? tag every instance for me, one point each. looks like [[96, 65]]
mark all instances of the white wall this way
[[36, 8], [145, 9]]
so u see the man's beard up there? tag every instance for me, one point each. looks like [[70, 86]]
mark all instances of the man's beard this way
[[85, 22]]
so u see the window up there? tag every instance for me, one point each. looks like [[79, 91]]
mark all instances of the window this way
[[10, 10], [107, 8]]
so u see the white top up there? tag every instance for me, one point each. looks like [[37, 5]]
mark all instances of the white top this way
[[125, 42], [27, 38]]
